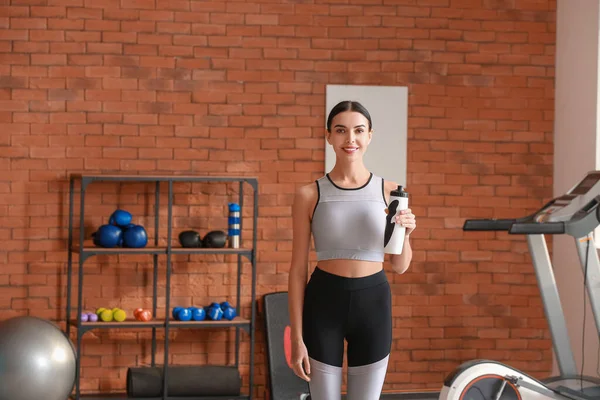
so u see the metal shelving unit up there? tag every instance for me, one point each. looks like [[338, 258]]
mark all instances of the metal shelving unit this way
[[86, 249]]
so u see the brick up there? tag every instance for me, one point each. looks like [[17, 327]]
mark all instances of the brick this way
[[84, 13]]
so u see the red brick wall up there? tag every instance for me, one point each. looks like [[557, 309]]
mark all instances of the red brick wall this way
[[237, 87]]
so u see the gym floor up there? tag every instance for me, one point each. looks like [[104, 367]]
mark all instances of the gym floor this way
[[159, 88]]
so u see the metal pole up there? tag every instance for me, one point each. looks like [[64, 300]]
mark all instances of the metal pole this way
[[70, 256], [155, 270], [588, 255], [552, 304], [82, 258], [239, 275], [168, 289], [253, 288]]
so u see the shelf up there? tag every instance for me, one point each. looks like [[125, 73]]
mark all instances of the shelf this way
[[240, 322], [89, 248], [115, 324], [123, 396], [236, 322], [166, 178], [85, 248], [225, 250]]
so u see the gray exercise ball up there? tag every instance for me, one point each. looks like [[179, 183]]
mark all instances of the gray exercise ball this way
[[37, 360]]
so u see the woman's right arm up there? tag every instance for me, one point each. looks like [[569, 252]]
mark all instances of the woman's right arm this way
[[304, 201]]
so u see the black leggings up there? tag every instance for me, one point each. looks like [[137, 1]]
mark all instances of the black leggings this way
[[358, 310]]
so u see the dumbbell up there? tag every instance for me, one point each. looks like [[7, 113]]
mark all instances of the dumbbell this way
[[189, 314], [229, 312], [215, 312], [218, 311], [142, 314], [198, 313], [89, 317], [108, 315]]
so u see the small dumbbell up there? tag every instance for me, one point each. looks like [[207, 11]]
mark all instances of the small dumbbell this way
[[108, 315], [89, 317], [198, 313], [229, 312], [215, 312], [142, 314]]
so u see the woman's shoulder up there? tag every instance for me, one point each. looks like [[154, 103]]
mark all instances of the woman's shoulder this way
[[307, 192], [306, 189], [305, 199]]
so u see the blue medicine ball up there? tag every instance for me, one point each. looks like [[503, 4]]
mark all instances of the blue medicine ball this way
[[135, 236], [108, 236], [120, 218]]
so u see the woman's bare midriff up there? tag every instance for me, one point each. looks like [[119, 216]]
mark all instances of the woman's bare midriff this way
[[350, 268]]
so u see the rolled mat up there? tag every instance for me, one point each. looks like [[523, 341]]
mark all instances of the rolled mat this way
[[201, 380]]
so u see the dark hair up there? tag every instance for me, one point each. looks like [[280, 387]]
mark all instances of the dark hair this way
[[348, 106]]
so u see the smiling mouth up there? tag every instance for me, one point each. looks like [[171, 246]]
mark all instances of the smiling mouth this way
[[350, 149]]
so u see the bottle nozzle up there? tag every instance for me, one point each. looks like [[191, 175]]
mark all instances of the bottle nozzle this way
[[399, 192]]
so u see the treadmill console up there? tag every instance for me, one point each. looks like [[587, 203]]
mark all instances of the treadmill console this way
[[544, 215], [569, 213], [564, 207]]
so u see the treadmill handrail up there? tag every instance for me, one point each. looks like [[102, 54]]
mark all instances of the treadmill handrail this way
[[493, 224], [550, 228], [488, 224]]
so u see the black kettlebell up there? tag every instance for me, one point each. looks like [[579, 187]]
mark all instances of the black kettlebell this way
[[215, 239], [190, 239]]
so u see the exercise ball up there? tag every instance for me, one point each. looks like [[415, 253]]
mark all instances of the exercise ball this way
[[37, 360]]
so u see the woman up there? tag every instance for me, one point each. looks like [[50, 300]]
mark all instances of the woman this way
[[348, 296]]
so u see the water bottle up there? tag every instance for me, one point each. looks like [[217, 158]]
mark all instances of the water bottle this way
[[394, 233], [234, 225]]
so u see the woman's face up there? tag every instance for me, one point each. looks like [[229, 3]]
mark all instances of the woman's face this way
[[349, 135]]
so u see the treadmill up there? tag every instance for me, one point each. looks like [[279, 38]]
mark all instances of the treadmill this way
[[575, 213]]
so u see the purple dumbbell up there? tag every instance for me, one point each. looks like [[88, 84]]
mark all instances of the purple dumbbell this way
[[89, 317]]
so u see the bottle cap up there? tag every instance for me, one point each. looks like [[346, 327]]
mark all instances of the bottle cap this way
[[399, 192]]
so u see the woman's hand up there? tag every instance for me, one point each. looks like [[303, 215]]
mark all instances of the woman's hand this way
[[406, 219], [300, 362]]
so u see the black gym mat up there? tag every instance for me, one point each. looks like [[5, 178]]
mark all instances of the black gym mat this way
[[184, 380], [283, 383]]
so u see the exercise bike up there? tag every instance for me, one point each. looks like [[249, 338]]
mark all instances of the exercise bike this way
[[575, 213]]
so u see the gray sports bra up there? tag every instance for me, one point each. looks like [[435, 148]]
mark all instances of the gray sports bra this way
[[349, 223]]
